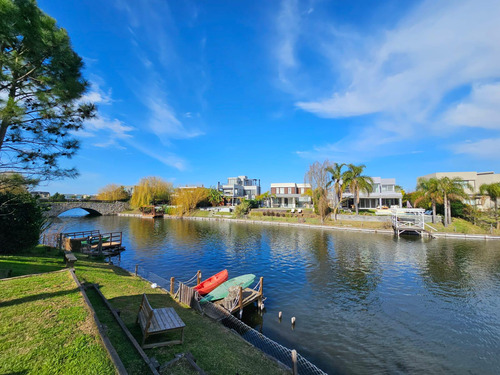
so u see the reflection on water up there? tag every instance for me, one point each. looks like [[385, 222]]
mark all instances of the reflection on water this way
[[364, 303]]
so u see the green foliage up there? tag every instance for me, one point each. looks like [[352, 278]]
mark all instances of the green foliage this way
[[41, 86], [357, 182], [58, 198], [215, 197], [243, 208], [21, 221]]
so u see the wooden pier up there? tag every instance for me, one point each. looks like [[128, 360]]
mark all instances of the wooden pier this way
[[93, 243], [246, 297], [408, 221]]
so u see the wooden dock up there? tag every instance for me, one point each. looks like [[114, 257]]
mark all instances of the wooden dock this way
[[408, 221], [246, 297], [93, 243]]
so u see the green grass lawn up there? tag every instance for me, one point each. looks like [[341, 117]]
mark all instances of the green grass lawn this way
[[216, 349], [45, 327]]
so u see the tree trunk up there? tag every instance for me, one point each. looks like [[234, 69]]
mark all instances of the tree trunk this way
[[356, 199], [449, 212], [445, 200], [496, 214], [433, 211]]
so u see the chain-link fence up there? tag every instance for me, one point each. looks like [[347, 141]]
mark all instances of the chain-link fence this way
[[290, 358]]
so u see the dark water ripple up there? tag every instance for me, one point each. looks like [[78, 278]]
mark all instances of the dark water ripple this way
[[364, 303]]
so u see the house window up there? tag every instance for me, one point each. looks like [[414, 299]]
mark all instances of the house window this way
[[289, 190]]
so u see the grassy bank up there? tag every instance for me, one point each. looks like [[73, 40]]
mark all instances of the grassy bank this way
[[458, 225], [45, 327], [216, 349]]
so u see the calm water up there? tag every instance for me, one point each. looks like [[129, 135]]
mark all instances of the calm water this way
[[364, 303]]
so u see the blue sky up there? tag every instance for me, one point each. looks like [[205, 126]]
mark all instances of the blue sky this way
[[197, 91]]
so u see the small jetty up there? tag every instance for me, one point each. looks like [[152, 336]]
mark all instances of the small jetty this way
[[244, 297], [236, 301], [151, 212], [408, 221], [93, 243]]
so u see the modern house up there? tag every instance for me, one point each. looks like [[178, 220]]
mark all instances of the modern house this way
[[475, 180], [240, 187], [290, 195], [383, 194]]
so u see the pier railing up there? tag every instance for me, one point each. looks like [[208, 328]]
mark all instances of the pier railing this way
[[285, 356]]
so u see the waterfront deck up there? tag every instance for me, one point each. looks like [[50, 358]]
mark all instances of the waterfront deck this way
[[246, 297], [408, 221]]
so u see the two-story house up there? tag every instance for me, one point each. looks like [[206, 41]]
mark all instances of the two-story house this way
[[290, 195], [384, 194]]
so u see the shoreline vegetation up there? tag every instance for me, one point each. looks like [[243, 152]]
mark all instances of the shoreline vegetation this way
[[59, 336], [458, 226]]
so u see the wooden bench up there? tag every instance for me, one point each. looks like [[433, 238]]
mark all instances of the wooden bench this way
[[157, 321], [70, 259]]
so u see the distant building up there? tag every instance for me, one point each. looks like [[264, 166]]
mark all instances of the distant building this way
[[41, 194], [475, 180], [240, 187], [383, 194], [290, 195]]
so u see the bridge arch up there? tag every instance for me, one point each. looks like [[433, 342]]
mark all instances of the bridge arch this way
[[90, 211], [94, 208]]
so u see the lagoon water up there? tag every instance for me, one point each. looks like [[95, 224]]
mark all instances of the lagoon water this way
[[364, 303]]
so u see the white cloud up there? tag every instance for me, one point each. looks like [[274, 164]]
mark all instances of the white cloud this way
[[437, 48], [164, 122], [167, 158], [481, 109], [96, 94], [403, 75], [483, 149], [114, 128]]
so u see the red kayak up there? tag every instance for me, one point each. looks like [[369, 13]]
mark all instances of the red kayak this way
[[211, 283]]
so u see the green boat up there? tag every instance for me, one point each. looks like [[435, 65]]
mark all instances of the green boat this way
[[222, 290]]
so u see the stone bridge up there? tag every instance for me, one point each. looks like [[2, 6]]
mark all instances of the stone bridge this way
[[94, 208]]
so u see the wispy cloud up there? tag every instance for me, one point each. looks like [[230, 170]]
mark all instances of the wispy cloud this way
[[483, 149], [167, 158], [405, 78]]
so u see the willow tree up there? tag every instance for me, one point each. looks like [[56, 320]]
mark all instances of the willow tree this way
[[41, 87], [186, 199], [493, 192], [151, 190], [113, 192], [357, 182]]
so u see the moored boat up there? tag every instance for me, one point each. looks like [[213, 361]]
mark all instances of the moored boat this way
[[222, 291], [211, 283]]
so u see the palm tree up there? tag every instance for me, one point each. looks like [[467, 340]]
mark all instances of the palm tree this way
[[451, 189], [356, 182], [429, 189], [493, 192], [215, 197], [338, 184]]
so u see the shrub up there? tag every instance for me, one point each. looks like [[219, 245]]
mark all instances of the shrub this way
[[21, 222], [242, 209]]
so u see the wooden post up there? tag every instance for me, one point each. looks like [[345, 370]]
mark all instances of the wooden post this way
[[240, 302], [172, 281], [294, 362], [136, 268], [99, 246], [261, 292], [198, 277]]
